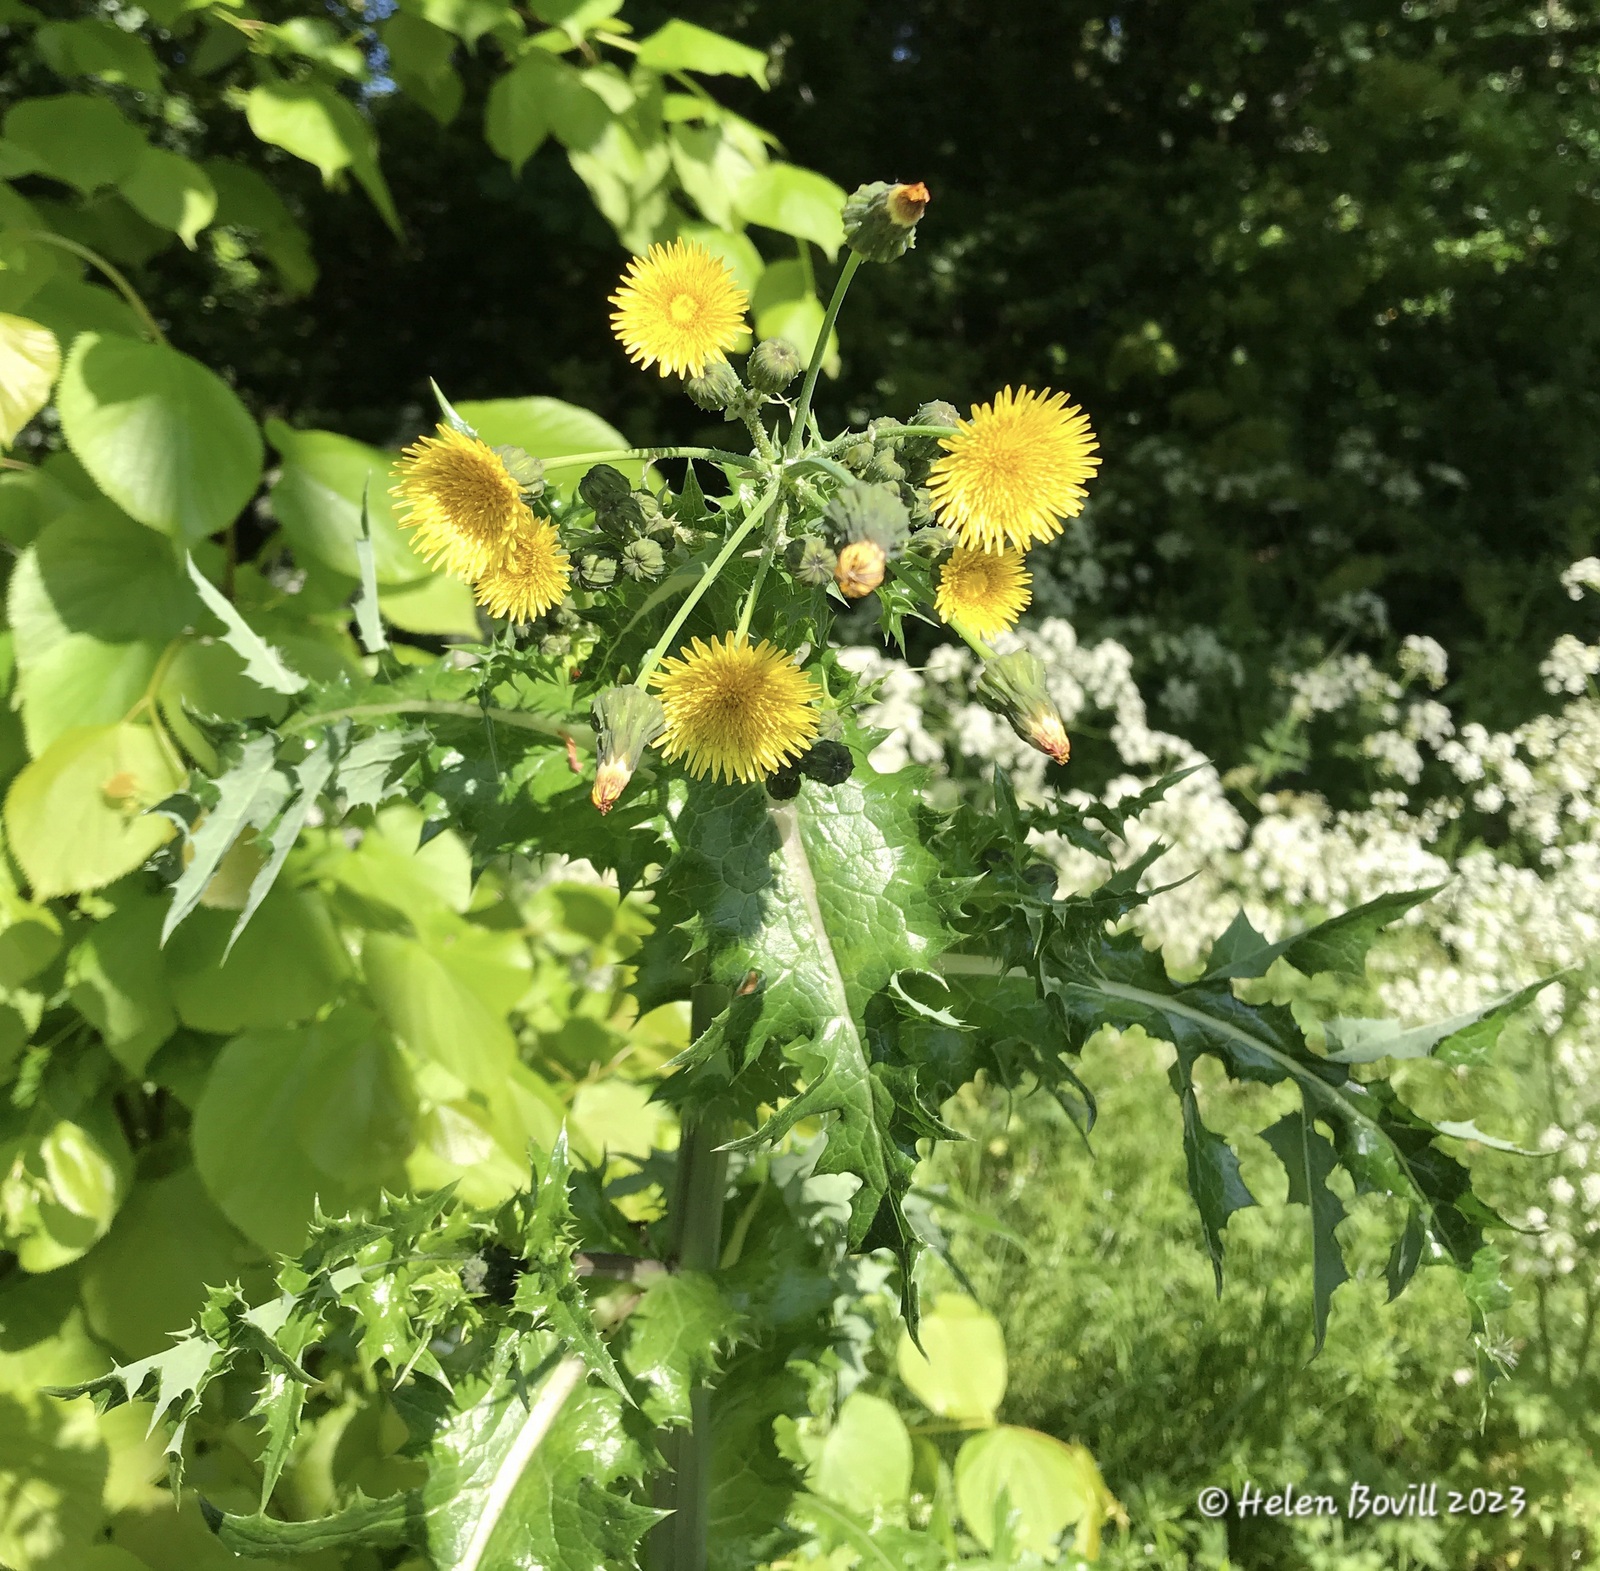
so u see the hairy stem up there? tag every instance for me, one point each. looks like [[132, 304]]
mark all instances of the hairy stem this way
[[802, 410], [714, 455], [679, 1543], [561, 729], [707, 578]]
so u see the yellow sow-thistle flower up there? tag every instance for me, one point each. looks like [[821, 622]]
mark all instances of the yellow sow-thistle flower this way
[[985, 591], [734, 710], [528, 577], [462, 506], [678, 307], [1014, 470]]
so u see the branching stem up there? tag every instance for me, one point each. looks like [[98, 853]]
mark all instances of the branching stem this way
[[802, 410]]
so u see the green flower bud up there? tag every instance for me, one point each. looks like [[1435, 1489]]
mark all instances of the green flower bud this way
[[812, 562], [857, 456], [934, 540], [880, 219], [596, 570], [828, 763], [783, 784], [524, 468], [652, 516], [936, 412], [1013, 685], [717, 387], [626, 720], [884, 467], [773, 366], [868, 512], [554, 645], [621, 519], [917, 453], [919, 505], [603, 487], [644, 560]]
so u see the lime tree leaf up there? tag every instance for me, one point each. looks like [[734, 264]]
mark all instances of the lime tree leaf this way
[[287, 1117], [317, 499], [675, 1336], [262, 663], [167, 440], [960, 1371], [1467, 1038], [1046, 1482], [796, 202], [81, 141], [1308, 1159], [421, 56], [311, 120], [120, 986], [172, 192], [805, 910], [1340, 944], [518, 116], [785, 305], [681, 46], [95, 48], [77, 817], [547, 428], [865, 1462], [30, 359]]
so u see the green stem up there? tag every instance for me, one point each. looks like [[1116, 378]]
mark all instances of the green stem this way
[[679, 1543], [576, 729], [802, 410], [94, 259], [919, 430], [714, 455], [707, 578], [760, 578], [973, 642]]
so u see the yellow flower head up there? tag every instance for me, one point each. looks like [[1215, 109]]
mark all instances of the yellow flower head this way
[[985, 591], [679, 306], [529, 577], [1014, 470], [461, 505], [735, 711]]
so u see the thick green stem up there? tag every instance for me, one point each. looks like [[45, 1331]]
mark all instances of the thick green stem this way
[[94, 259], [679, 1543], [707, 578], [576, 729], [802, 410], [760, 578]]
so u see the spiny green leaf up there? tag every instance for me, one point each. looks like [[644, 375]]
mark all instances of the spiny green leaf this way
[[1467, 1038], [1308, 1158], [375, 1524], [1339, 944], [262, 663], [249, 796], [675, 1336], [1214, 1178]]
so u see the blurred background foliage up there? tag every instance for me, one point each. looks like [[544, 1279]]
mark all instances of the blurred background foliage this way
[[1325, 275]]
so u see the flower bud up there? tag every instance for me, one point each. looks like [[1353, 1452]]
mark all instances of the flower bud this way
[[783, 784], [880, 219], [868, 512], [934, 540], [603, 487], [857, 456], [1013, 685], [626, 720], [716, 387], [917, 453], [643, 560], [860, 569], [885, 467], [596, 570], [773, 365], [524, 468], [812, 562], [827, 762], [554, 645]]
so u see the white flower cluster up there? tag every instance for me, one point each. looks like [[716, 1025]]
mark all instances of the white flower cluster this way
[[1525, 908]]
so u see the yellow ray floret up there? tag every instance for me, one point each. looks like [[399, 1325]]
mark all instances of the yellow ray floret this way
[[458, 501], [735, 711], [529, 577], [678, 306], [985, 591], [1014, 470]]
